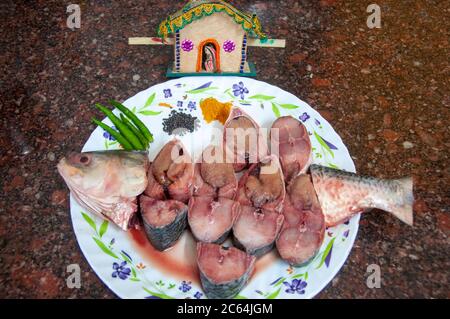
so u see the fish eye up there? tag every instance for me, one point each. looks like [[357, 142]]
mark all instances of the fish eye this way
[[84, 159], [181, 152]]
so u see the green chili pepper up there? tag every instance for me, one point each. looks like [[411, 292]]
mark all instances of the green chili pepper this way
[[123, 129], [119, 138], [134, 129], [139, 124]]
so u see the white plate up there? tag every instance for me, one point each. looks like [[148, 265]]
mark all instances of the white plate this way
[[126, 262]]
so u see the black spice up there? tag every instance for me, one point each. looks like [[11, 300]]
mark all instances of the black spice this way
[[179, 123]]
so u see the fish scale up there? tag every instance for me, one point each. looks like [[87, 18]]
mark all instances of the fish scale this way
[[343, 194]]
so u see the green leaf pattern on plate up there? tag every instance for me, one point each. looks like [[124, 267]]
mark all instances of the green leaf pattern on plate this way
[[261, 97], [276, 110]]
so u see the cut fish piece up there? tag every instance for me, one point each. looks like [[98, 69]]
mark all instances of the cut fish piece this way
[[154, 189], [298, 245], [294, 145], [224, 271], [302, 194], [174, 171], [164, 221], [304, 226], [243, 140], [213, 176], [255, 231], [212, 220], [342, 194], [262, 186]]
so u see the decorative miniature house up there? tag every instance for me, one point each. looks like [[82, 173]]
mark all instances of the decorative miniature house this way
[[210, 37]]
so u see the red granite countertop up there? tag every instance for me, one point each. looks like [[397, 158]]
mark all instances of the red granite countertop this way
[[385, 91]]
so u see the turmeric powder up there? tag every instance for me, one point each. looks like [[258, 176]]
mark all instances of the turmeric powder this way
[[214, 110]]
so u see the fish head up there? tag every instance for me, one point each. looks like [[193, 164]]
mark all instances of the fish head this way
[[83, 170], [107, 172], [106, 182]]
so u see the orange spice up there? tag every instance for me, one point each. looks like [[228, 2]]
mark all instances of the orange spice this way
[[166, 105], [214, 110]]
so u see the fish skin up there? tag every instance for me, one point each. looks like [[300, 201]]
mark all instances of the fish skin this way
[[163, 237], [95, 184], [223, 288], [343, 194]]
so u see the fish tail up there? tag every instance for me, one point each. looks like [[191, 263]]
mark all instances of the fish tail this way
[[403, 209]]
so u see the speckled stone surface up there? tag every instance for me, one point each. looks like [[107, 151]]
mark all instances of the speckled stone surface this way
[[385, 91]]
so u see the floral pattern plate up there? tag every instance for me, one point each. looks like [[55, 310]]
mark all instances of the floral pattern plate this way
[[126, 262]]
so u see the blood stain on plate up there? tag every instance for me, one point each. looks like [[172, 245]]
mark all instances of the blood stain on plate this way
[[180, 260]]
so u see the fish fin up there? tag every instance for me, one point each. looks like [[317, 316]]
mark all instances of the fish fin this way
[[404, 211]]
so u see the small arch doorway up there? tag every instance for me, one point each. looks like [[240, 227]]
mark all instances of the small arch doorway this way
[[208, 59]]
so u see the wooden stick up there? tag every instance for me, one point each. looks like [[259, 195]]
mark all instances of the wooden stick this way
[[150, 41], [269, 43]]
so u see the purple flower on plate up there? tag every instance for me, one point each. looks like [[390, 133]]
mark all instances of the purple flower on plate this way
[[187, 45], [240, 90], [203, 86], [346, 233], [178, 85], [121, 271], [109, 136], [191, 106], [185, 286], [167, 93], [316, 121], [229, 46], [296, 286], [180, 104], [304, 117], [198, 295]]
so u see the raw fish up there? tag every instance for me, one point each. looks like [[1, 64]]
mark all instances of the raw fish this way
[[224, 271], [164, 221], [107, 183]]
